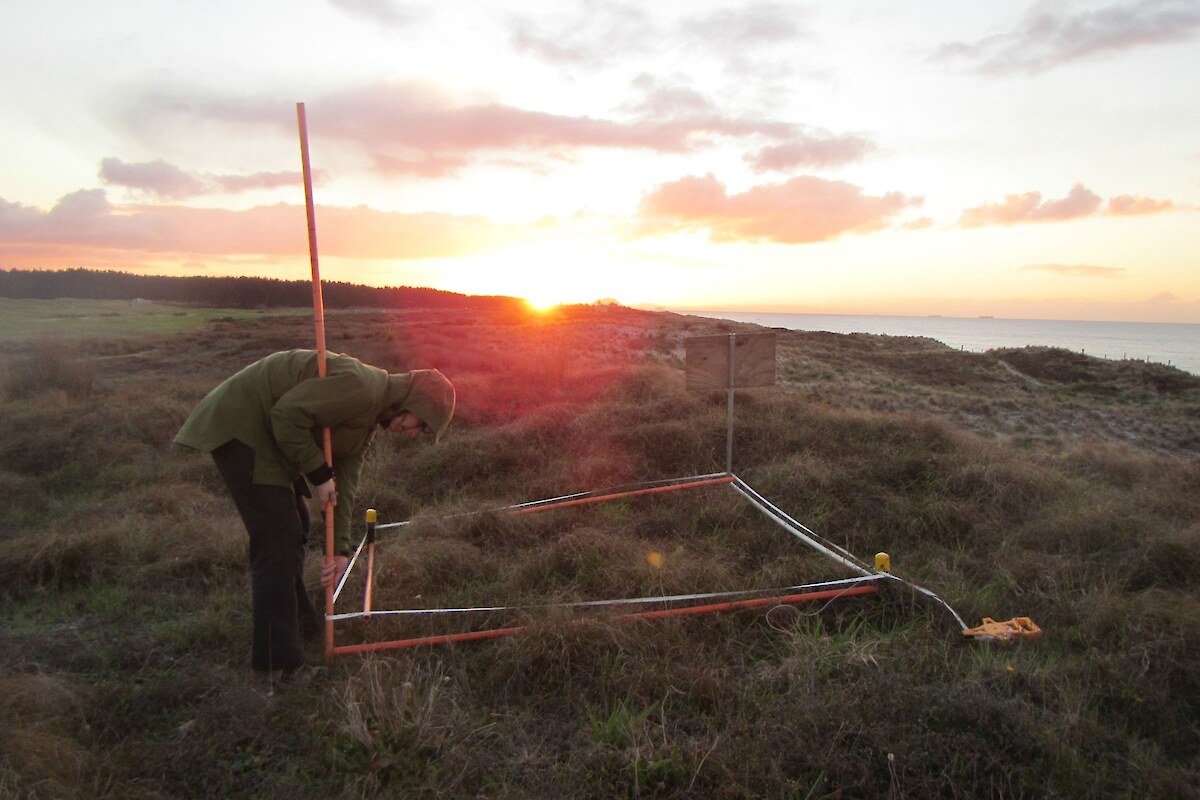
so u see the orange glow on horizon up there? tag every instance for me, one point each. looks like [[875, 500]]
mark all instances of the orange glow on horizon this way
[[545, 274], [541, 302]]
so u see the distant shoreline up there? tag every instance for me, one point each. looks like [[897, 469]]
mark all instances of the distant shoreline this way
[[730, 314], [1170, 343]]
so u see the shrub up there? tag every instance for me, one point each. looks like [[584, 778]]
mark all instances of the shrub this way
[[53, 364]]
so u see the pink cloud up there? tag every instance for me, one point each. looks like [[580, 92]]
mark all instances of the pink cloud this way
[[422, 166], [1048, 37], [86, 221], [1130, 205], [1029, 207], [156, 177], [390, 118], [173, 183], [258, 180], [811, 151], [801, 210], [414, 129]]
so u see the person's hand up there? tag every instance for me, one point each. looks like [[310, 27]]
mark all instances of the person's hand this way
[[333, 569], [326, 493]]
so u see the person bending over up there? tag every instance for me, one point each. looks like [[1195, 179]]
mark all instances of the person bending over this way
[[264, 428]]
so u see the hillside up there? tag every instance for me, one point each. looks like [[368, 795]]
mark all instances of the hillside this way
[[1018, 482], [230, 291]]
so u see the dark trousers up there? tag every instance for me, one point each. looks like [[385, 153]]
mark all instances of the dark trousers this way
[[277, 520]]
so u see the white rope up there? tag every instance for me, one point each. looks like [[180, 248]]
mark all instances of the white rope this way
[[817, 543], [349, 566], [577, 495], [531, 504], [932, 596], [800, 531], [600, 603], [818, 546]]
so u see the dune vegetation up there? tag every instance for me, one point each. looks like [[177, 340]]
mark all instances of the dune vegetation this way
[[1030, 482]]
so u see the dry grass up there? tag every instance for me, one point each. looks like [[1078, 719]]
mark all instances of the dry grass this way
[[1017, 482], [53, 364], [40, 751]]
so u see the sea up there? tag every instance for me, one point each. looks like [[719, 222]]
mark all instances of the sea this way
[[1175, 344]]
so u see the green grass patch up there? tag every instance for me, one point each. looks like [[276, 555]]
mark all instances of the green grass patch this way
[[77, 318]]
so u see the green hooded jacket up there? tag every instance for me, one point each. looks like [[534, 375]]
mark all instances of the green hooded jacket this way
[[278, 406]]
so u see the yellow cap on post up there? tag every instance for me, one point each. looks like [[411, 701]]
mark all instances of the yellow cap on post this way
[[371, 516], [883, 562]]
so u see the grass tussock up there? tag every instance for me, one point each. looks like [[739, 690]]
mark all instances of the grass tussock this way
[[52, 365], [1034, 482], [40, 752]]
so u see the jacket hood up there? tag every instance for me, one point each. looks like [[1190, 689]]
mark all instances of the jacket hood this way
[[427, 394]]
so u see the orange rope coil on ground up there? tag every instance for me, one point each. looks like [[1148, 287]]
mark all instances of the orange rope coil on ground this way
[[1015, 628]]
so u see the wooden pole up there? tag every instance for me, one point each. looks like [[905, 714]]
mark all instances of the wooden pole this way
[[322, 368]]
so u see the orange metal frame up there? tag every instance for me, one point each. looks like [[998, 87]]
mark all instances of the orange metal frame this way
[[494, 633]]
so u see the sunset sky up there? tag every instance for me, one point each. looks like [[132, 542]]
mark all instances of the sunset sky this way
[[958, 157]]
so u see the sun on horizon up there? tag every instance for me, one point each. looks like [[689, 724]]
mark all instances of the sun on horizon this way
[[541, 302]]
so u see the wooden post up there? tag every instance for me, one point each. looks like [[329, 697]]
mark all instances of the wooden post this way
[[322, 368]]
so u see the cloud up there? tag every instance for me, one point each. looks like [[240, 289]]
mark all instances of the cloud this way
[[662, 99], [1129, 205], [170, 182], [801, 210], [593, 34], [1029, 207], [407, 121], [1080, 202], [811, 151], [382, 12], [411, 128], [1081, 270], [1163, 297], [750, 26], [85, 221], [751, 40], [420, 166], [1048, 36], [258, 180], [796, 146], [157, 177]]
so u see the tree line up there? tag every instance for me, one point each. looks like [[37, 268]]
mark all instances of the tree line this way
[[228, 292]]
